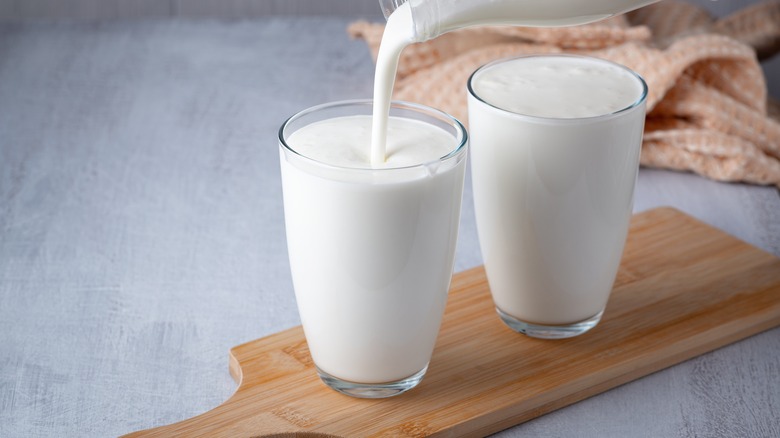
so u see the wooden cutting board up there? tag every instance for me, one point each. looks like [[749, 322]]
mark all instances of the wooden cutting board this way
[[684, 288]]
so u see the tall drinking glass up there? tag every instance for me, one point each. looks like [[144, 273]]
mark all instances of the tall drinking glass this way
[[371, 249], [555, 144]]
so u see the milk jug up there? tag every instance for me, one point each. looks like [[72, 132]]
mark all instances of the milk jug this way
[[432, 18]]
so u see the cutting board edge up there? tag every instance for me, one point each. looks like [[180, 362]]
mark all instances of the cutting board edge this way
[[662, 213]]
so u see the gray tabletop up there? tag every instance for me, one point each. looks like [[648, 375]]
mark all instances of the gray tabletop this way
[[141, 231]]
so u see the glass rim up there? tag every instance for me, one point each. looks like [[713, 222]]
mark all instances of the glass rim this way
[[638, 102], [424, 109]]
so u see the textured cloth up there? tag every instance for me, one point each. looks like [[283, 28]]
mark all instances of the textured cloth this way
[[707, 105]]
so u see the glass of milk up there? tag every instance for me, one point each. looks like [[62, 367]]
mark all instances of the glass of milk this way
[[371, 247], [555, 144]]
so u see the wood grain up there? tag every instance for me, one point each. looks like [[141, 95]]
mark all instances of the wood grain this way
[[684, 288]]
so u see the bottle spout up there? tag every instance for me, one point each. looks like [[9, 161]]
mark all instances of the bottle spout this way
[[388, 6]]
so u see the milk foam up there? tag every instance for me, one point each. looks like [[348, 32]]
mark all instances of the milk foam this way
[[343, 141], [557, 87]]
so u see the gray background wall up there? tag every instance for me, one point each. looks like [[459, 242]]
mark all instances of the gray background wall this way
[[25, 9], [15, 10], [19, 10]]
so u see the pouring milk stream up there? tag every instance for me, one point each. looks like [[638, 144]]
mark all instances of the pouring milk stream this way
[[412, 21]]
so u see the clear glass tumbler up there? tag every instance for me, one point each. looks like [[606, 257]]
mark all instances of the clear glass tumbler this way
[[371, 254], [553, 195]]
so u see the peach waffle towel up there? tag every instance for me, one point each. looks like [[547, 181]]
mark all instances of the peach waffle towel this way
[[707, 106]]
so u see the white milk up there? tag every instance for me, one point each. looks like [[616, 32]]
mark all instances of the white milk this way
[[371, 251], [398, 34], [342, 142], [553, 195], [558, 87]]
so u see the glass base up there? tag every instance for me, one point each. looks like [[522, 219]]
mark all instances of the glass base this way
[[549, 331], [372, 390]]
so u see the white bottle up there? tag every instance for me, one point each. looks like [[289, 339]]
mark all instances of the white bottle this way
[[432, 18]]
